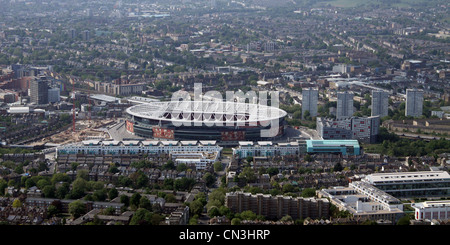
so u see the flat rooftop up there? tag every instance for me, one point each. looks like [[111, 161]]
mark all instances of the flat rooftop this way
[[331, 143], [406, 176]]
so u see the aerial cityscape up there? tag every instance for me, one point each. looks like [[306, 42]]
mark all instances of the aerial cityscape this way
[[225, 112]]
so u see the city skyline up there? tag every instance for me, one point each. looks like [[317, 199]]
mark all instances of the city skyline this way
[[220, 113]]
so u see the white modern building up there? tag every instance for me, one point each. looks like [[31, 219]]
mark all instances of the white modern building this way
[[364, 202], [380, 103], [199, 153], [414, 102], [412, 184], [266, 148], [344, 105], [429, 210], [310, 97]]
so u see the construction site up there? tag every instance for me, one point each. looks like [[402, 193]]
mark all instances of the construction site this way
[[81, 130]]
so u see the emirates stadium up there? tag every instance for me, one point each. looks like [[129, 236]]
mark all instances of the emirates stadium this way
[[205, 120]]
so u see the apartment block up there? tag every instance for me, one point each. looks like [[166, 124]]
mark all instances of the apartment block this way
[[414, 102], [276, 207], [344, 105], [364, 129], [310, 98], [380, 103]]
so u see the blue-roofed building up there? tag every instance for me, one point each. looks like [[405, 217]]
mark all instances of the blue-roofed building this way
[[345, 147]]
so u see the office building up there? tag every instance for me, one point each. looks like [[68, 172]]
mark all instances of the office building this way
[[276, 207], [414, 102], [412, 184], [380, 103], [344, 105], [344, 147], [269, 149], [39, 90], [310, 97]]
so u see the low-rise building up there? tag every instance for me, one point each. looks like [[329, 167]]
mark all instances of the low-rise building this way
[[430, 210], [412, 184], [364, 202], [278, 206]]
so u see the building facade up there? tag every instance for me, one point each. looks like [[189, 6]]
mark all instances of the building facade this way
[[54, 95], [364, 129], [344, 105], [364, 202], [430, 210], [414, 102], [412, 184], [201, 154], [380, 103], [276, 207], [344, 147], [310, 97], [39, 90]]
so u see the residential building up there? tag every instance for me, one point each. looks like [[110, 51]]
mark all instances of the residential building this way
[[276, 207], [364, 129], [344, 105], [414, 102], [39, 90], [380, 103], [120, 89], [201, 154], [266, 148], [310, 98]]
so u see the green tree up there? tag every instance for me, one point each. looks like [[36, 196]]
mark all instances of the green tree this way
[[100, 195], [308, 192], [113, 193], [196, 207], [77, 208], [125, 200], [79, 187], [49, 191], [404, 220], [218, 167], [17, 203], [181, 167], [135, 199], [62, 190], [248, 215], [235, 221], [145, 203], [209, 179], [141, 217]]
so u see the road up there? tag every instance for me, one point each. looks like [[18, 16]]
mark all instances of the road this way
[[119, 132]]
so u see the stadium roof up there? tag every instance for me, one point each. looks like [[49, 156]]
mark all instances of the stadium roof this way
[[206, 111]]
